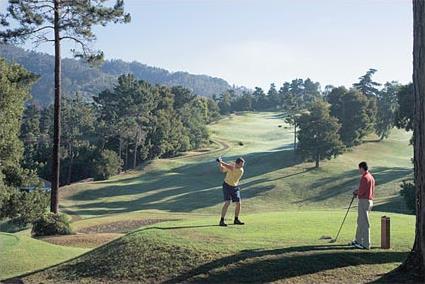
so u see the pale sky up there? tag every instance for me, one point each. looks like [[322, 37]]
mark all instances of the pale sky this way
[[257, 42]]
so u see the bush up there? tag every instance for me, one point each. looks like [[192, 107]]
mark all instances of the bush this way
[[20, 206], [106, 165], [408, 192], [51, 224]]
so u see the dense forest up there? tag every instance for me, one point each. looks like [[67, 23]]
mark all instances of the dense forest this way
[[132, 122]]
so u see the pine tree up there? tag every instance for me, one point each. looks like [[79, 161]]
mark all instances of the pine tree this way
[[369, 88], [351, 110], [415, 263], [78, 126], [56, 21], [273, 96], [318, 136], [366, 85], [30, 134], [405, 112], [387, 107]]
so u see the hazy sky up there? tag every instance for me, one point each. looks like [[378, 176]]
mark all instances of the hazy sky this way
[[257, 42]]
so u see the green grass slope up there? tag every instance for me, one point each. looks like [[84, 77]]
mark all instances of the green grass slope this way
[[21, 254], [274, 178], [281, 246], [287, 205]]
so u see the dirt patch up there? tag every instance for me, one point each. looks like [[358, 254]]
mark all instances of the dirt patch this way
[[82, 240], [121, 226]]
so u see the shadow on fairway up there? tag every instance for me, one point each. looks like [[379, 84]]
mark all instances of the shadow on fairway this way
[[272, 265], [182, 189], [346, 182], [394, 204]]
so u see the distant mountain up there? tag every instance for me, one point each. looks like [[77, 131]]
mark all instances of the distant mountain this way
[[79, 77]]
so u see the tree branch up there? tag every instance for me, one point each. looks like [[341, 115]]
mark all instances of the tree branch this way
[[83, 45]]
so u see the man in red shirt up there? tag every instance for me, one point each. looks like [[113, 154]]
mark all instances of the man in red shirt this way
[[365, 194]]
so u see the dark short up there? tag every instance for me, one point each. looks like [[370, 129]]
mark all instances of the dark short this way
[[231, 193]]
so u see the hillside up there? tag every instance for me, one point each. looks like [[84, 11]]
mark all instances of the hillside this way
[[88, 81], [169, 210], [274, 178]]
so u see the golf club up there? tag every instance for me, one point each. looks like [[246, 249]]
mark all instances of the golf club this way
[[349, 206]]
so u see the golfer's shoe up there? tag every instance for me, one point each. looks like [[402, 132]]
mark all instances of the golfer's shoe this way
[[353, 243], [222, 224], [359, 246], [238, 222]]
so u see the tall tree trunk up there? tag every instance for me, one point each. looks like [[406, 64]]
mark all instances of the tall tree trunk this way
[[295, 136], [135, 151], [419, 127], [71, 160], [126, 157], [415, 263], [317, 160], [54, 199], [120, 148]]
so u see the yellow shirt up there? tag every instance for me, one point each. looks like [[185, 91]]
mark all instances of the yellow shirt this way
[[233, 176]]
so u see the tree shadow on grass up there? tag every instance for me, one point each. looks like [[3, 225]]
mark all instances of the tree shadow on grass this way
[[402, 274], [181, 189], [394, 204], [259, 266], [346, 182]]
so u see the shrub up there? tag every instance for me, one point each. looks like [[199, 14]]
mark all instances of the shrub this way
[[106, 165], [51, 224], [22, 207], [408, 192]]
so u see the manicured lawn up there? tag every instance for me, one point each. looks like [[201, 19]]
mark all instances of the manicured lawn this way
[[21, 254]]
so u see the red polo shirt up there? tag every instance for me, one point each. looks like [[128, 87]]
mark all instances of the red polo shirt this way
[[367, 186]]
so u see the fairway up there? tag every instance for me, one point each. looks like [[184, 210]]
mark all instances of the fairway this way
[[170, 210], [274, 177]]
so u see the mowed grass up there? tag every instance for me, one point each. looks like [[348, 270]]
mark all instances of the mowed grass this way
[[275, 179], [279, 246], [21, 254], [170, 210]]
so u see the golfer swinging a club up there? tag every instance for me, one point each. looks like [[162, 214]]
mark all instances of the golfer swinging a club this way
[[234, 172]]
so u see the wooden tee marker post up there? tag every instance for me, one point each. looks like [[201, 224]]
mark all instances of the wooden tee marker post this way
[[385, 232]]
